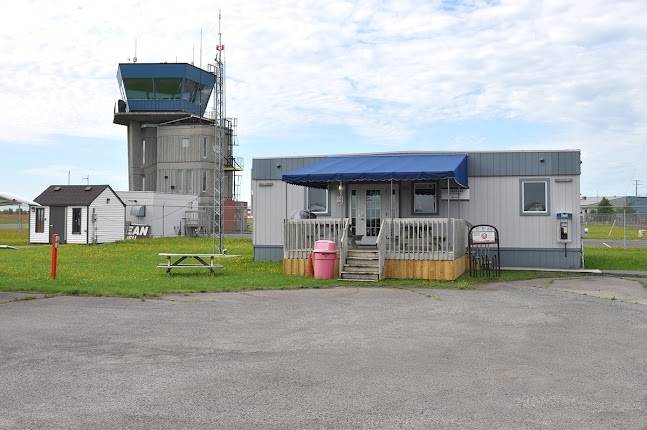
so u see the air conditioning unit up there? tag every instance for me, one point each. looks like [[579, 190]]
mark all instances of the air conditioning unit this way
[[138, 211]]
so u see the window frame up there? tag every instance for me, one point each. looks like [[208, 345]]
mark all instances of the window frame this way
[[205, 151], [327, 200], [80, 223], [413, 197], [522, 182], [204, 181], [39, 225]]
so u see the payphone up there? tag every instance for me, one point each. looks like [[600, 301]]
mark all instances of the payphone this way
[[564, 234]]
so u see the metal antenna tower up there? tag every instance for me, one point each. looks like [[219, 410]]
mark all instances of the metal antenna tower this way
[[219, 129]]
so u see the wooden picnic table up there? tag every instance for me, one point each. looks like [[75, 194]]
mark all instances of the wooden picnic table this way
[[174, 261]]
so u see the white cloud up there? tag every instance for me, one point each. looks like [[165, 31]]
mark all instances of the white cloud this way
[[382, 69]]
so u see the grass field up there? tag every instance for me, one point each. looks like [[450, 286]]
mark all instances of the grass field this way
[[13, 218], [129, 269], [601, 231], [616, 258]]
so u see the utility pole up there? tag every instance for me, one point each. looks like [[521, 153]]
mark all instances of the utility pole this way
[[636, 183]]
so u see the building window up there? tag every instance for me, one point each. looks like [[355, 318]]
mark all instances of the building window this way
[[143, 152], [143, 183], [168, 88], [204, 181], [40, 220], [76, 220], [317, 200], [185, 142], [534, 197], [425, 199], [139, 88], [204, 147]]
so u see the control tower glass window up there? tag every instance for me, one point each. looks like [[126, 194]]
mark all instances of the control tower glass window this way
[[139, 88], [191, 91], [205, 93], [168, 88]]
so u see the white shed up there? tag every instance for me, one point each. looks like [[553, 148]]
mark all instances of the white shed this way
[[79, 214]]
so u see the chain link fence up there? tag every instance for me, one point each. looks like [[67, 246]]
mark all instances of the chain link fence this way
[[181, 220], [615, 223]]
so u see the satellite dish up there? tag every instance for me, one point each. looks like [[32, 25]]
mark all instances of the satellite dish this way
[[134, 59]]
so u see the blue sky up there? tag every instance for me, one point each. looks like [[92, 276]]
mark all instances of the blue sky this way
[[331, 77]]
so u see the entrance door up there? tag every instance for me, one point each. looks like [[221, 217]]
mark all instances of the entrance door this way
[[369, 204], [57, 221]]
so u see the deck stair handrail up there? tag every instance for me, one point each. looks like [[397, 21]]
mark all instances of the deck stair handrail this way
[[423, 238], [343, 243], [300, 235], [381, 243]]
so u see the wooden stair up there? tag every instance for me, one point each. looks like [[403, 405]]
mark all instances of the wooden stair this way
[[362, 264]]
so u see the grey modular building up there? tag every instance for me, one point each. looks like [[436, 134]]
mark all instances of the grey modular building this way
[[428, 201]]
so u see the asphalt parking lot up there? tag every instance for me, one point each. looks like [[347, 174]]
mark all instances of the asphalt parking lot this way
[[532, 354]]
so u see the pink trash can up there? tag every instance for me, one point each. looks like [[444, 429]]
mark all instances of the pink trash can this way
[[323, 259]]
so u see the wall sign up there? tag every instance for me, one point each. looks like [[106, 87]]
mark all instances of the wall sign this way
[[136, 231], [483, 234], [455, 193]]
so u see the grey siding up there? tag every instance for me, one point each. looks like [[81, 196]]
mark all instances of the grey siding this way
[[495, 201], [542, 258], [268, 253], [507, 163], [164, 212], [270, 209]]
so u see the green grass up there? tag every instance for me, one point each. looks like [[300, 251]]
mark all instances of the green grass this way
[[13, 236], [616, 258], [601, 231], [129, 269]]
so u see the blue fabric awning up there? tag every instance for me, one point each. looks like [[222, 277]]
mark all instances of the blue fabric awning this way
[[367, 168]]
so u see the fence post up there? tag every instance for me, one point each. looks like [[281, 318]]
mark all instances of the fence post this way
[[624, 226]]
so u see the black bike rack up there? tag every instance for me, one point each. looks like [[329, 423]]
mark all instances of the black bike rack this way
[[484, 252]]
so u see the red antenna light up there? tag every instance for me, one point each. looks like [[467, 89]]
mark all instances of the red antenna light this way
[[220, 47]]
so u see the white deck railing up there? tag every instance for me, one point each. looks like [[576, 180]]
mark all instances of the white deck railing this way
[[300, 235], [423, 238], [381, 248], [343, 243]]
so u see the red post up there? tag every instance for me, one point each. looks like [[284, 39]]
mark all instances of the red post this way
[[54, 254]]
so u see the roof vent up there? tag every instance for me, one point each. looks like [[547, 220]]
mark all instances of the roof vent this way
[[57, 188], [87, 188]]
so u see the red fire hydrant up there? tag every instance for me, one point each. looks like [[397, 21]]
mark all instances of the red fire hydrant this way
[[54, 254]]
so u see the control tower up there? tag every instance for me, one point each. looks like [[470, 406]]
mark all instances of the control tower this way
[[172, 138]]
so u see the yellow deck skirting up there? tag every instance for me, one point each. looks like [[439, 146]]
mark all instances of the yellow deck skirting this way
[[300, 266], [439, 270]]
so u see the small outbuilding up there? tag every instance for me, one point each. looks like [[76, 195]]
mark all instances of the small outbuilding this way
[[78, 214]]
